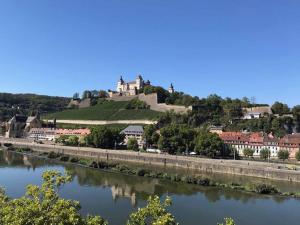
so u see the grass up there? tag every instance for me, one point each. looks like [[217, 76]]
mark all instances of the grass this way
[[108, 110]]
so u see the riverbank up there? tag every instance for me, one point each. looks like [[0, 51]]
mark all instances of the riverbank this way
[[260, 188], [272, 171]]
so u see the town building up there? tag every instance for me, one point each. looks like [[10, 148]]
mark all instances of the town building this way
[[258, 141], [256, 112], [42, 134], [134, 132], [50, 134], [20, 125]]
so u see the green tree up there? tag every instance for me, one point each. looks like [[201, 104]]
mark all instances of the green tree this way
[[103, 137], [296, 116], [283, 154], [176, 138], [42, 205], [265, 153], [248, 152], [298, 155], [154, 213], [280, 108], [209, 144], [228, 221], [132, 144], [150, 135]]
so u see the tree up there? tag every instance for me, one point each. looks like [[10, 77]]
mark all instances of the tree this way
[[298, 155], [265, 153], [209, 144], [103, 94], [150, 135], [228, 221], [176, 138], [248, 152], [283, 154], [296, 116], [103, 137], [280, 108], [42, 205], [154, 213], [132, 144]]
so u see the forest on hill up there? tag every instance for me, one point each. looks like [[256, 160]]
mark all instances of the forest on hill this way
[[27, 104]]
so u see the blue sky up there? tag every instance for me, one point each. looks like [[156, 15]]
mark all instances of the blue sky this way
[[229, 47]]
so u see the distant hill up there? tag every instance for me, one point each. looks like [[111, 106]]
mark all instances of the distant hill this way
[[107, 110], [11, 104]]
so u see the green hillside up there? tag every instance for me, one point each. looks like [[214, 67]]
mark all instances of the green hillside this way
[[107, 110]]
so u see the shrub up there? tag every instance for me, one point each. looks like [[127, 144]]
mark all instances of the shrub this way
[[64, 158], [283, 154], [53, 155], [298, 155], [265, 189], [248, 152], [265, 153], [74, 160]]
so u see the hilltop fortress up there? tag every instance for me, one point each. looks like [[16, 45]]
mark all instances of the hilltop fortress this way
[[126, 91], [132, 88]]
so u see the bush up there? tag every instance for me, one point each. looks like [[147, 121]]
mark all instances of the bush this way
[[74, 160], [265, 153], [283, 154], [53, 155], [298, 155], [265, 189], [64, 158], [248, 152]]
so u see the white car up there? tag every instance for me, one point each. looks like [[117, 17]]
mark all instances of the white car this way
[[152, 150], [193, 153]]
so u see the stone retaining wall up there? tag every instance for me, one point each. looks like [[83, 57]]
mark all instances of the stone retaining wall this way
[[244, 168]]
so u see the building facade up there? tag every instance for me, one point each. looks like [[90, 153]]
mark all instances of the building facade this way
[[134, 132], [132, 87], [258, 141]]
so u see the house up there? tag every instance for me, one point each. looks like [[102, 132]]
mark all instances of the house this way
[[73, 132], [136, 132], [50, 134], [256, 112], [216, 129], [251, 115], [43, 134], [290, 142]]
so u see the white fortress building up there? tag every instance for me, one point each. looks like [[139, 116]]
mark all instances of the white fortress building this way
[[132, 87]]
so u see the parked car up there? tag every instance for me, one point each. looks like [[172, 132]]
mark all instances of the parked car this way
[[152, 150], [192, 153]]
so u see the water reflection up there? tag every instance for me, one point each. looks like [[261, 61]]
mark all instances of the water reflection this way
[[110, 194]]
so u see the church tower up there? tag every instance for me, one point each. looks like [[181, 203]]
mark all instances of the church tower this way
[[171, 89]]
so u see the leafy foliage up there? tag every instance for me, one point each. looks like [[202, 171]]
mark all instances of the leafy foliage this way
[[11, 104], [154, 213], [103, 137], [42, 205], [248, 152], [209, 144], [283, 154], [265, 153], [132, 144]]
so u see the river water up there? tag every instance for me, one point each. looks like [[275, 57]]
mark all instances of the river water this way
[[115, 196]]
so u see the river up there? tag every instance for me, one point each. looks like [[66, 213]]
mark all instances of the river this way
[[115, 196]]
